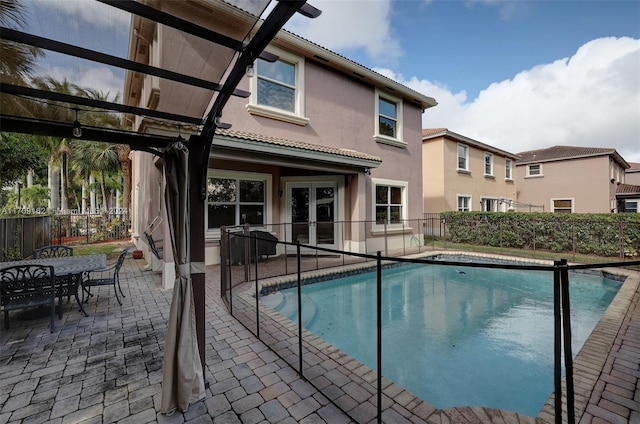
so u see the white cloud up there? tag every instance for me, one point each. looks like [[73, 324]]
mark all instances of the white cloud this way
[[590, 99], [88, 11], [351, 25], [99, 78]]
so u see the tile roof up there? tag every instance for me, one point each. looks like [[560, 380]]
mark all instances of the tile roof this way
[[433, 133], [299, 145], [634, 167], [557, 153], [628, 189], [358, 69]]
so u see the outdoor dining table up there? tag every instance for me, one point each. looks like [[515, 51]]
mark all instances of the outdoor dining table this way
[[67, 266]]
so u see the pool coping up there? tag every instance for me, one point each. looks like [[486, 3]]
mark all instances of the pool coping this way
[[588, 364]]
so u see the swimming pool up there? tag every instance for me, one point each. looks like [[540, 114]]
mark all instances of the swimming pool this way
[[455, 337]]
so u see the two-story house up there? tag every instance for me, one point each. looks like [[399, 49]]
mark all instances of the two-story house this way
[[568, 179], [628, 193], [462, 174], [324, 151]]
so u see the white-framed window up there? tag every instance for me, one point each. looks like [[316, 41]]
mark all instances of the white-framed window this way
[[236, 198], [463, 157], [508, 169], [388, 124], [631, 206], [534, 170], [488, 163], [562, 205], [464, 203], [489, 204], [277, 89], [389, 202]]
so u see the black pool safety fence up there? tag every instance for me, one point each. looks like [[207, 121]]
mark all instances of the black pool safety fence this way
[[256, 264]]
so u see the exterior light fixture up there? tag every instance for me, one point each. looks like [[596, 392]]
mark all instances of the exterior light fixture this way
[[250, 72], [367, 171], [217, 120], [77, 128]]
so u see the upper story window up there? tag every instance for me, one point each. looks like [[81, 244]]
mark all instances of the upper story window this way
[[236, 199], [277, 90], [388, 120], [463, 157], [277, 85], [488, 163], [390, 201], [507, 169], [534, 170]]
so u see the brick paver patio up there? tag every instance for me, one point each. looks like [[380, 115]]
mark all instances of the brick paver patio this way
[[108, 368]]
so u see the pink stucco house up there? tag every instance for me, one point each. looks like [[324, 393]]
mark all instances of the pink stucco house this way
[[324, 151], [570, 179]]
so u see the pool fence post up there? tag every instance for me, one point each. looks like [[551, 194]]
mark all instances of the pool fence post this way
[[299, 309], [568, 355], [557, 344], [255, 258], [230, 274], [379, 330]]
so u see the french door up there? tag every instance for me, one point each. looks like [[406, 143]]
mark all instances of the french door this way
[[312, 210]]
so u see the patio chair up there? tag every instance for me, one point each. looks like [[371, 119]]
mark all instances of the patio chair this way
[[52, 252], [28, 286], [104, 277]]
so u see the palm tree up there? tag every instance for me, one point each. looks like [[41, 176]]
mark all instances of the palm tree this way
[[109, 120], [17, 60], [102, 158]]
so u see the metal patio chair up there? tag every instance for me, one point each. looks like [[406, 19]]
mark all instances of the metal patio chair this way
[[28, 286], [56, 251], [104, 277]]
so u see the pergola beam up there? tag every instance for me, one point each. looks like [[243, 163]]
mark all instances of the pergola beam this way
[[20, 90], [137, 141]]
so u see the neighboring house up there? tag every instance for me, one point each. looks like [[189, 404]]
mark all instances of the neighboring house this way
[[569, 179], [462, 174], [628, 194], [324, 151]]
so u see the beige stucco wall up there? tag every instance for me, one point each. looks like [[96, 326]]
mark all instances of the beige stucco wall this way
[[587, 181], [632, 178], [433, 176], [442, 182]]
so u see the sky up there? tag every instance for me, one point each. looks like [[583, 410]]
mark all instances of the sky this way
[[517, 75]]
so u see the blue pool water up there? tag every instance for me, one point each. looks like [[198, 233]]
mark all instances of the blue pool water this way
[[455, 337]]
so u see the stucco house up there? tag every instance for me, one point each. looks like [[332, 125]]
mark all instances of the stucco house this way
[[462, 174], [628, 193], [324, 151], [570, 179]]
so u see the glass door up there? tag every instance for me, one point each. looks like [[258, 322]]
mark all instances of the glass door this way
[[312, 213]]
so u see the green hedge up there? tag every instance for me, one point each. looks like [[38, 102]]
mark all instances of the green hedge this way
[[591, 234]]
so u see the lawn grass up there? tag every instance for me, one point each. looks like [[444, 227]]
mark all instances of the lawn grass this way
[[111, 249]]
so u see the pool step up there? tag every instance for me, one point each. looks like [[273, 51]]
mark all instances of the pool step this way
[[287, 305]]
